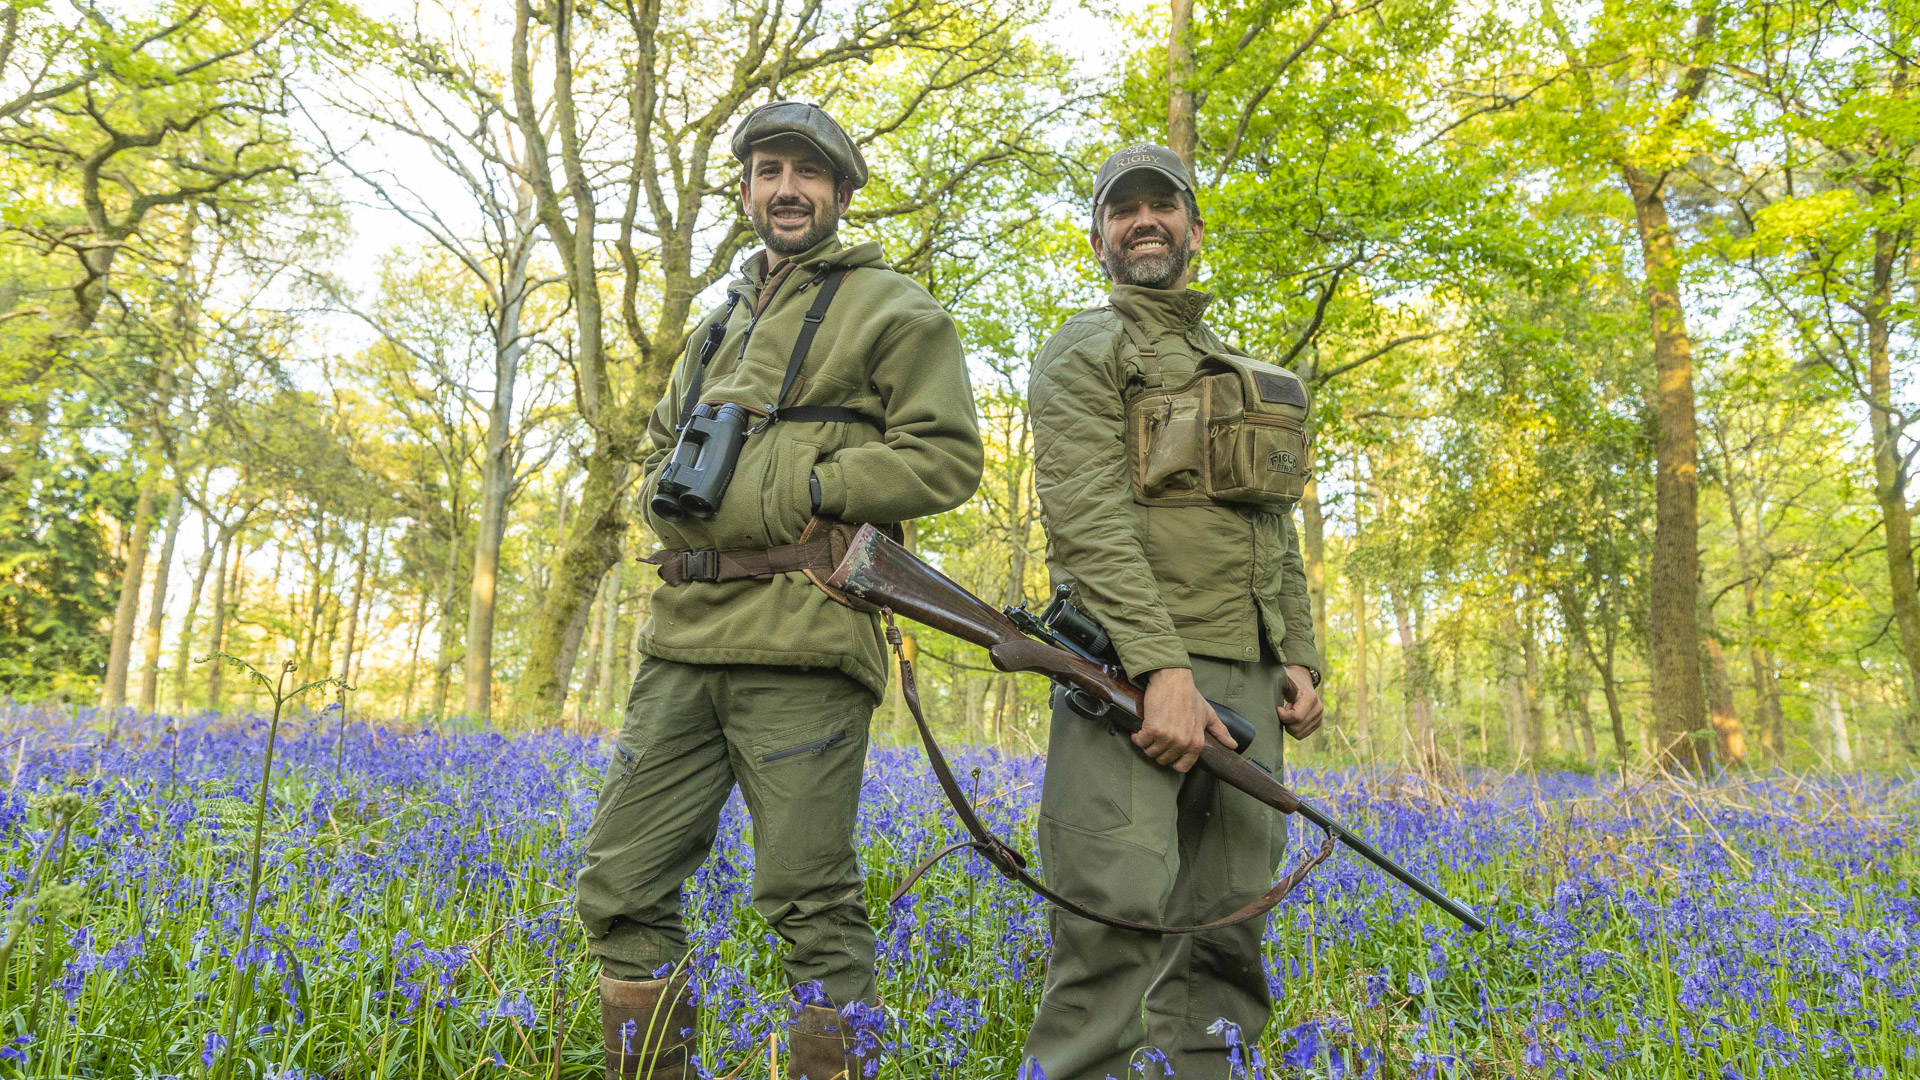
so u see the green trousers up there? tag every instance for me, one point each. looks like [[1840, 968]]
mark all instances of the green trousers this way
[[795, 740], [1131, 838]]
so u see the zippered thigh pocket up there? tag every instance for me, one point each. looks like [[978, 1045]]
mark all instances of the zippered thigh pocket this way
[[814, 746], [802, 786]]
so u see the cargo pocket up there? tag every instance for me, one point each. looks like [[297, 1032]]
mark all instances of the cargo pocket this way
[[1263, 462], [1171, 442], [1089, 778], [807, 781], [612, 789]]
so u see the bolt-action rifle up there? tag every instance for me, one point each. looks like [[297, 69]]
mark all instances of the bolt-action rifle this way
[[884, 574]]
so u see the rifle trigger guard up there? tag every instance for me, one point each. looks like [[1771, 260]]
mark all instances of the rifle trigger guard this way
[[1086, 704]]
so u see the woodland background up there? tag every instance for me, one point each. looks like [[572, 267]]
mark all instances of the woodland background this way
[[329, 332]]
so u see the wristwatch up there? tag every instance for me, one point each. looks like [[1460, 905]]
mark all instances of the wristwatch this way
[[813, 496]]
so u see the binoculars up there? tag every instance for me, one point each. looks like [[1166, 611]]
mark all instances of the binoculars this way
[[696, 476]]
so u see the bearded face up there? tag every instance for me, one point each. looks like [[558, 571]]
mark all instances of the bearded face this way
[[791, 196], [1146, 236]]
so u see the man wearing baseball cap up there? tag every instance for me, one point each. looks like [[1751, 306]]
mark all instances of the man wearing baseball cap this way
[[1198, 582], [841, 386]]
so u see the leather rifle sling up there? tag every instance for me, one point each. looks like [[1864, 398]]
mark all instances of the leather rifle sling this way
[[1011, 864]]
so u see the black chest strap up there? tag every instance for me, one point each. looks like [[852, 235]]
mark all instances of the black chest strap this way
[[778, 409]]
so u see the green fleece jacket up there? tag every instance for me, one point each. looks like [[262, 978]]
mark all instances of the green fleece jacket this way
[[1167, 582], [885, 349]]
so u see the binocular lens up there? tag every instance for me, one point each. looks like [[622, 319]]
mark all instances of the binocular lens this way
[[665, 506]]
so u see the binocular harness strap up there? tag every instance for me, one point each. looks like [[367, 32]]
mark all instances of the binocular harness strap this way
[[829, 281], [1008, 860], [711, 345]]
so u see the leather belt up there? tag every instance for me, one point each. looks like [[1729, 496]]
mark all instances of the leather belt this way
[[678, 567]]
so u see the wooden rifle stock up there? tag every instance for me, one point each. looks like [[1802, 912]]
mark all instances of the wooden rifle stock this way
[[888, 576]]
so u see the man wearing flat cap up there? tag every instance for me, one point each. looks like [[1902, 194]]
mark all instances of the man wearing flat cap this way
[[1167, 464], [841, 387]]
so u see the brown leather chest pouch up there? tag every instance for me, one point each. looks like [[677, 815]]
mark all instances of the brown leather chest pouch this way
[[1234, 432]]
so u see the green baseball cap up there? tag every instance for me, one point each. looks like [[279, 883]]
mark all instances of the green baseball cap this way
[[1140, 156], [806, 121]]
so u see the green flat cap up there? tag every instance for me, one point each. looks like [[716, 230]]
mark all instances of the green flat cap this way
[[1140, 156], [809, 122]]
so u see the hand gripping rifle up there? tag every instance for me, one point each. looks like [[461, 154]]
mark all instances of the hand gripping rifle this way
[[884, 574]]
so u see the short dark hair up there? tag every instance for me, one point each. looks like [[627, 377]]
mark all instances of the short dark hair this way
[[1186, 199]]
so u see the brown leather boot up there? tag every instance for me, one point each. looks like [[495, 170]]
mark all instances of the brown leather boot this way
[[820, 1047], [660, 1042]]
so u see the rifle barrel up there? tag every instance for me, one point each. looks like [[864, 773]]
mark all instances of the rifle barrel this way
[[1399, 873]]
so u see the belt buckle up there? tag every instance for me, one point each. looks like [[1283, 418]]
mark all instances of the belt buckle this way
[[703, 565]]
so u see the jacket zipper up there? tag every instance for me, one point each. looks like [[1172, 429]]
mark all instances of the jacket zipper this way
[[813, 747]]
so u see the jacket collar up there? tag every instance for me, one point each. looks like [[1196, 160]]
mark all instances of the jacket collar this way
[[1165, 309], [762, 262], [762, 265]]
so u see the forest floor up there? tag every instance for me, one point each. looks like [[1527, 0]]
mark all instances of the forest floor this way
[[415, 918]]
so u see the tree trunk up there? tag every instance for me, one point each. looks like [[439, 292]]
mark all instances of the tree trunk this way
[[496, 476], [590, 682], [1584, 707], [1568, 729], [1534, 712], [316, 599], [333, 625], [1610, 689], [1836, 718], [1513, 676], [1486, 691], [353, 612], [443, 663], [1362, 721], [113, 691], [157, 609], [219, 622], [1767, 691], [1890, 479], [1767, 719], [594, 545], [1313, 551], [1021, 513], [183, 651], [599, 530], [357, 651], [1674, 574], [413, 656], [1414, 682], [1517, 718], [1181, 133], [609, 643], [1729, 738]]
